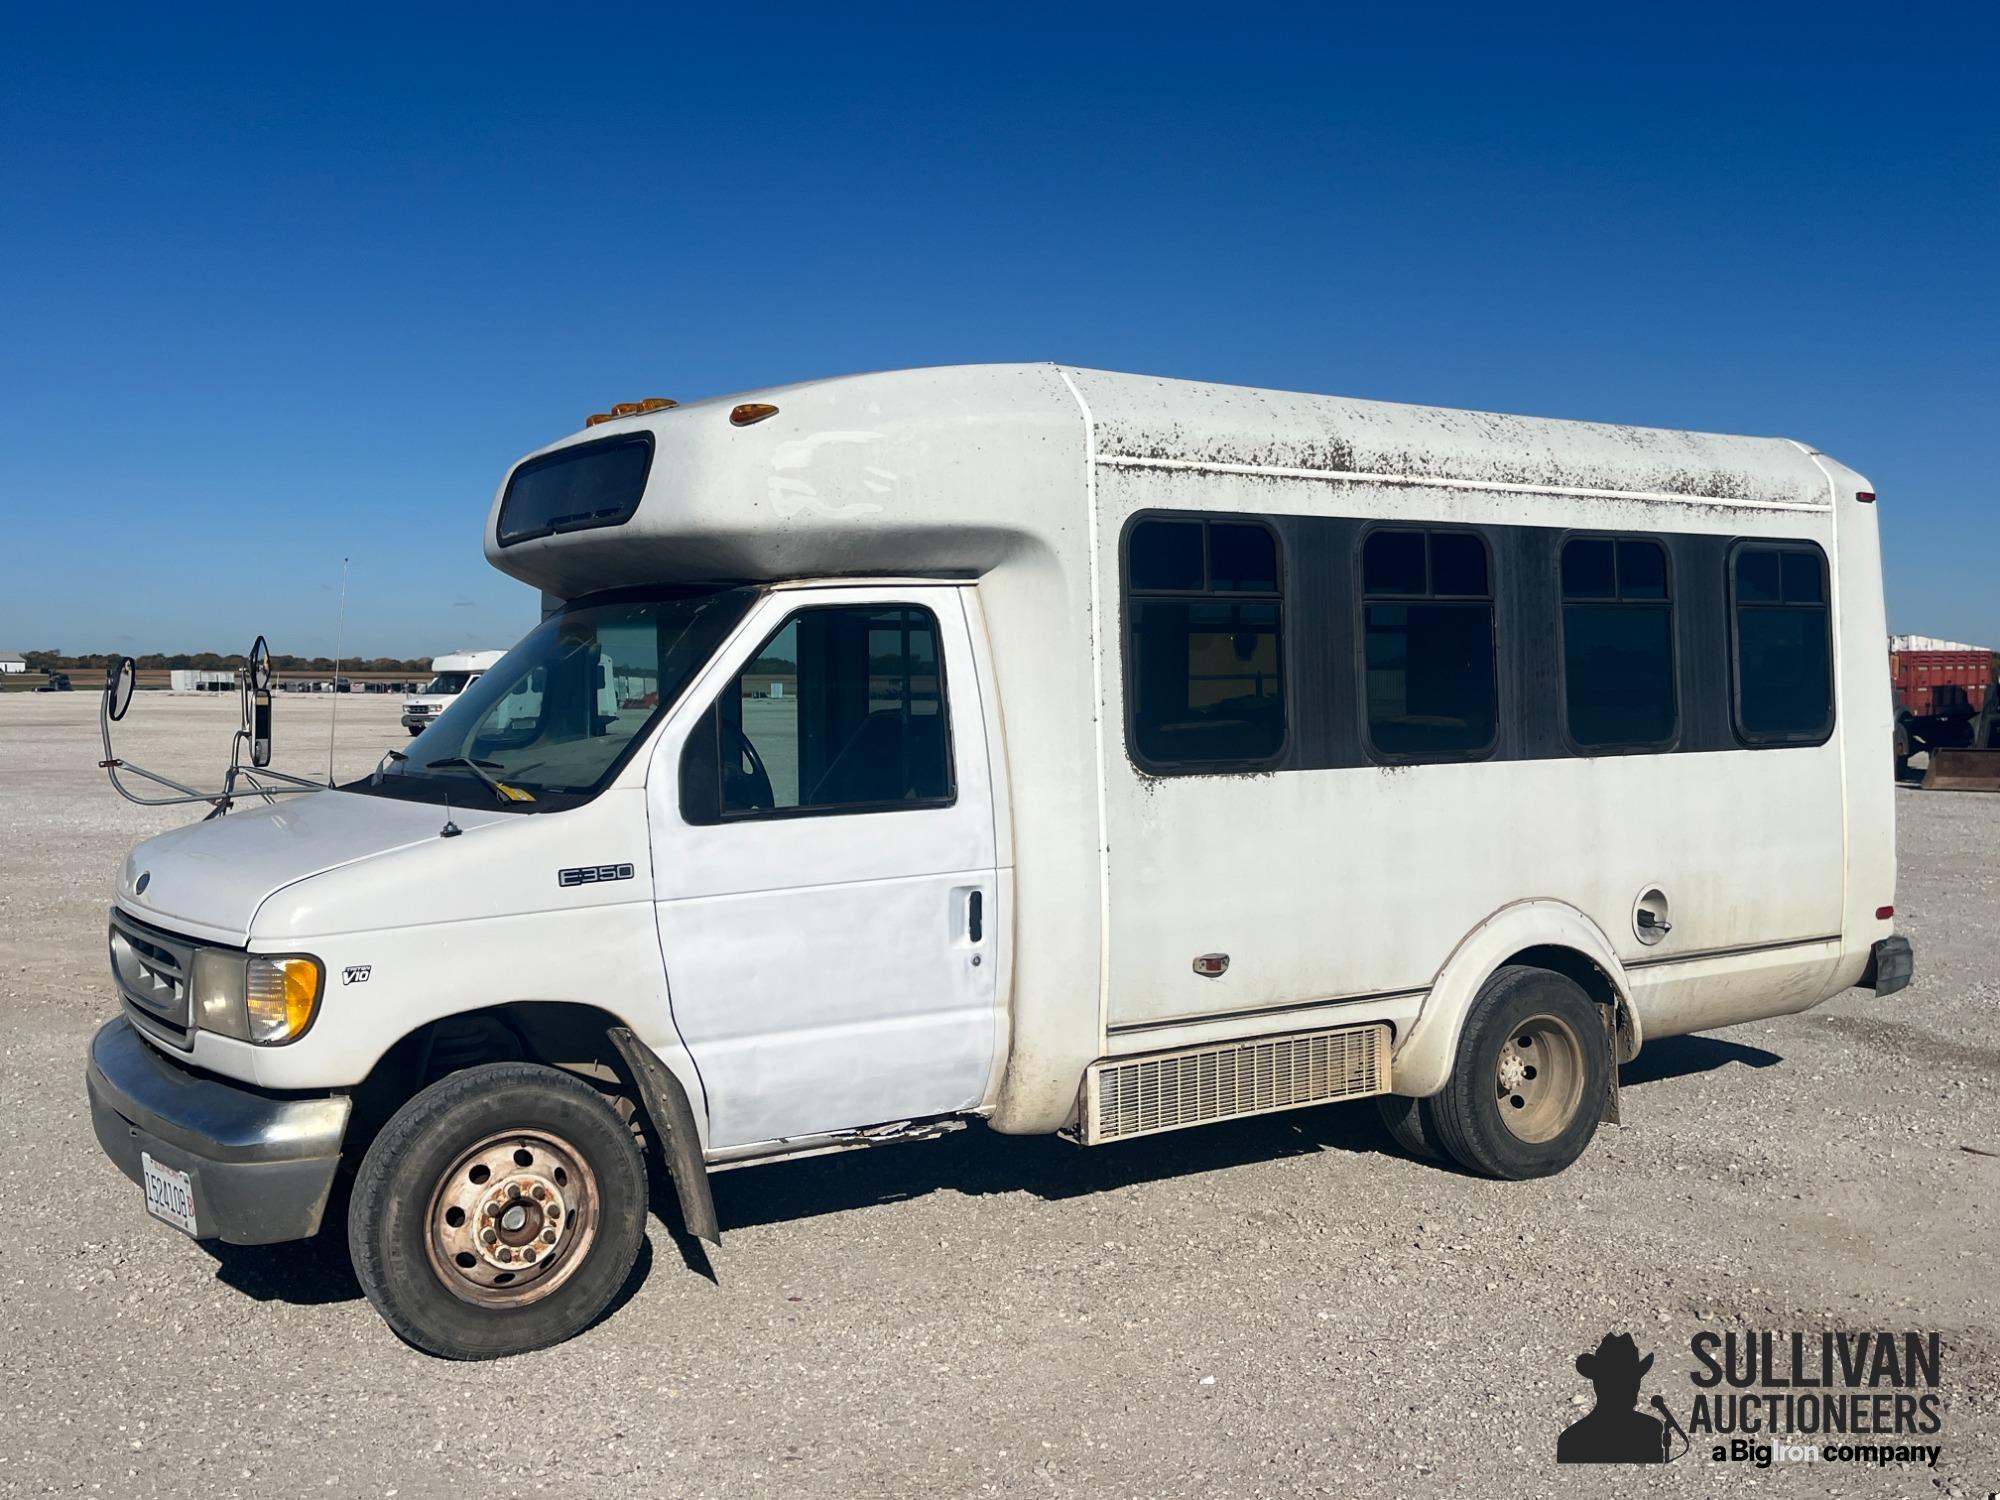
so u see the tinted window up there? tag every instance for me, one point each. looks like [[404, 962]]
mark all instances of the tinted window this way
[[1166, 555], [1431, 688], [1204, 644], [591, 484], [1392, 562], [1784, 645], [1242, 559], [1618, 650], [842, 709]]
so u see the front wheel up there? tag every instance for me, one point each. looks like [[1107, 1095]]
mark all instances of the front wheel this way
[[499, 1211], [1527, 1087]]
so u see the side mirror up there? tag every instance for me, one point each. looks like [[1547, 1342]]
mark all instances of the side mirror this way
[[118, 684], [260, 667], [260, 728]]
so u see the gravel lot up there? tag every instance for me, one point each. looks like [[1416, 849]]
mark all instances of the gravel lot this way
[[1268, 1308]]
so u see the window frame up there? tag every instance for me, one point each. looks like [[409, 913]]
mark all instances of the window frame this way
[[642, 438], [1575, 746], [1206, 594], [711, 813], [1362, 599], [1758, 739]]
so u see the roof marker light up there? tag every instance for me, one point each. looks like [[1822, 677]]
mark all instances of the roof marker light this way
[[1866, 497], [1883, 913], [751, 411], [631, 409]]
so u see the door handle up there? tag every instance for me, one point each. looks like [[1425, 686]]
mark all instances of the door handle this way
[[975, 916]]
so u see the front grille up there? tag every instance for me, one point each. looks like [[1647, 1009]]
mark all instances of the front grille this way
[[154, 972], [1173, 1090]]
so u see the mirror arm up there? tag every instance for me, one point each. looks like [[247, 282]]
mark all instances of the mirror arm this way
[[111, 765]]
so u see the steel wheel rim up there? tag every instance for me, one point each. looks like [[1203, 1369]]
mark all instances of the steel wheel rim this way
[[1539, 1078], [512, 1219]]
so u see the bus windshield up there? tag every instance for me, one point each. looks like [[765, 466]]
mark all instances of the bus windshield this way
[[446, 684], [551, 723]]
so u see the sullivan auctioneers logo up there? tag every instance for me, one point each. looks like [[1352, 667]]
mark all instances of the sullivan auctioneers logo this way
[[1762, 1397]]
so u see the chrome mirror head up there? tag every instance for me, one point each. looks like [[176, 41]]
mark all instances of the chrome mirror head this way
[[119, 681]]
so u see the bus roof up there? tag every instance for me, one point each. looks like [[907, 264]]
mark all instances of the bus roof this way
[[928, 471]]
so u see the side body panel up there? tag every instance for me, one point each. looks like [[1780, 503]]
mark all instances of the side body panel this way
[[1357, 884]]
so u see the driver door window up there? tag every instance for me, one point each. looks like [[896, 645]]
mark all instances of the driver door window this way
[[840, 710]]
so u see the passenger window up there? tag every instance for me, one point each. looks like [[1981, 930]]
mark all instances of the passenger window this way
[[1784, 645], [1204, 652], [840, 710], [1427, 629], [1618, 644]]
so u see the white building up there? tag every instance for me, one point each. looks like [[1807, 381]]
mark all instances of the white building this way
[[10, 663]]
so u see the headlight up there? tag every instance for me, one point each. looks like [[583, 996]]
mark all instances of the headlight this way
[[269, 1001]]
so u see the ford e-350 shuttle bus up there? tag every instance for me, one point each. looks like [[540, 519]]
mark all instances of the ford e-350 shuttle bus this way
[[1079, 752]]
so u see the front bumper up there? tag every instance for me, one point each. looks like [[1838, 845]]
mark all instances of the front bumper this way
[[1891, 965], [262, 1166]]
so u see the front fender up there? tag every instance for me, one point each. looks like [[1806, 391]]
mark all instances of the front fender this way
[[1423, 1056]]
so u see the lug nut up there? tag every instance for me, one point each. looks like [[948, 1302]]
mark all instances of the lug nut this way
[[540, 1192], [554, 1211], [492, 1236], [505, 1253], [529, 1254], [548, 1236], [492, 1210], [513, 1190]]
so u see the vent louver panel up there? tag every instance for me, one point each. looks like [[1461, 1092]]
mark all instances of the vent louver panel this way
[[1173, 1090]]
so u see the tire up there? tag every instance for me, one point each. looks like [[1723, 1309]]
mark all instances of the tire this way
[[450, 1227], [1528, 1084], [414, 731], [1410, 1125]]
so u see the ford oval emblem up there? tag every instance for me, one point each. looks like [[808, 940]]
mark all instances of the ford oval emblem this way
[[145, 879]]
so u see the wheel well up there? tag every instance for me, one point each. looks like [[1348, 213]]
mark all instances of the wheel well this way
[[573, 1037], [1590, 978]]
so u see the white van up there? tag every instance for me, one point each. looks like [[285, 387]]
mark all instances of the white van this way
[[1079, 752], [451, 674]]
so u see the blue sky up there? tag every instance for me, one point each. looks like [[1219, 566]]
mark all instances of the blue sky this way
[[273, 291]]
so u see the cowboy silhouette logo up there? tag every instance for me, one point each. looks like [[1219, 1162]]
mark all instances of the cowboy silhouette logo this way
[[1614, 1432]]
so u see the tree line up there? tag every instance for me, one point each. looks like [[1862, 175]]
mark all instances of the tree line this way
[[210, 661]]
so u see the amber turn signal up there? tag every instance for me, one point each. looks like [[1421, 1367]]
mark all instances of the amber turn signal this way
[[751, 411]]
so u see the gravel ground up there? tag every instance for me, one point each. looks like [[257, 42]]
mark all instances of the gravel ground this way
[[1267, 1308]]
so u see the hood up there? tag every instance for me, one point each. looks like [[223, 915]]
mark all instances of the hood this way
[[208, 879]]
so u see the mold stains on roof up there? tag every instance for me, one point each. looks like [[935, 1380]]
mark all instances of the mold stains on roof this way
[[1184, 422]]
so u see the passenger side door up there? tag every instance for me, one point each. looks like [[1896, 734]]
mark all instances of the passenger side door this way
[[824, 861]]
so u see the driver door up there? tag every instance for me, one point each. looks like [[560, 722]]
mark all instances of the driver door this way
[[823, 856]]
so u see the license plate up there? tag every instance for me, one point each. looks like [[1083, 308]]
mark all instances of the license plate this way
[[169, 1193]]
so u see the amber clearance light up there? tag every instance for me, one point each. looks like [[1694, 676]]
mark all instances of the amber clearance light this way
[[750, 412], [630, 409]]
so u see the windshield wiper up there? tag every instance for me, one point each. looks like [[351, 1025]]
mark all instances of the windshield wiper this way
[[479, 768]]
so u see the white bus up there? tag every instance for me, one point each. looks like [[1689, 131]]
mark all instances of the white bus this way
[[451, 674], [1071, 751]]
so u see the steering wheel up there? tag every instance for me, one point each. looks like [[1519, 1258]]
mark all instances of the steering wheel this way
[[750, 783]]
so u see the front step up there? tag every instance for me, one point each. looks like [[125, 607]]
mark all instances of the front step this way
[[1128, 1096]]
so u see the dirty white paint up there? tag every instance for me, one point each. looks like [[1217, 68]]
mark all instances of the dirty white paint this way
[[813, 967]]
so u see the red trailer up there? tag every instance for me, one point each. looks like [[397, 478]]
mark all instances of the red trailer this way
[[1930, 682]]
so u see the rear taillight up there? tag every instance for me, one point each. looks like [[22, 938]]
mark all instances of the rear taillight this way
[[1883, 913]]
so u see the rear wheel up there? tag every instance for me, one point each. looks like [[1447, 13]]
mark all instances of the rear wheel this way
[[1528, 1085], [1409, 1123], [499, 1211]]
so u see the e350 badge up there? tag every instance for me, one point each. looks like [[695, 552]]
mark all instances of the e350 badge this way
[[593, 874]]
